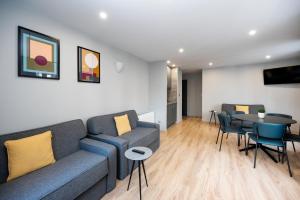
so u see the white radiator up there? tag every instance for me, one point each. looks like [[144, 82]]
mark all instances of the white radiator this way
[[147, 117]]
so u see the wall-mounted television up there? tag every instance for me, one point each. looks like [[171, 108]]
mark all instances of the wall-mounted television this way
[[282, 75]]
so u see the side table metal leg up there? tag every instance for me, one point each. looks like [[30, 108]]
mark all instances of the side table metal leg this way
[[145, 173], [140, 184], [130, 175]]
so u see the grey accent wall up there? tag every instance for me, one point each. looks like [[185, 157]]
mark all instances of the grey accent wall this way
[[194, 93], [26, 103], [158, 92], [244, 85]]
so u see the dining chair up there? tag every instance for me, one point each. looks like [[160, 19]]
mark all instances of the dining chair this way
[[226, 127], [288, 126], [271, 135]]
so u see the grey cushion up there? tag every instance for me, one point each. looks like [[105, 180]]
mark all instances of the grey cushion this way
[[66, 179], [105, 124], [141, 136], [65, 141]]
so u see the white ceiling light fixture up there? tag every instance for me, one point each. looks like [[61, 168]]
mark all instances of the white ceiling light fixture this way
[[168, 62], [252, 32], [210, 64], [181, 50], [173, 65], [103, 15], [268, 57]]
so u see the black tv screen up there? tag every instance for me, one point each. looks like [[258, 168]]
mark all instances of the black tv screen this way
[[282, 75]]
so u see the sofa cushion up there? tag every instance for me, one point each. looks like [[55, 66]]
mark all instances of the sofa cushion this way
[[105, 124], [66, 179], [141, 136]]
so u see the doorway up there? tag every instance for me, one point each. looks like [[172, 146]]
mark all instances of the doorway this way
[[184, 97]]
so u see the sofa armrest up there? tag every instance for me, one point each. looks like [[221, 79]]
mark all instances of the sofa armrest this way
[[147, 124], [107, 150], [121, 145]]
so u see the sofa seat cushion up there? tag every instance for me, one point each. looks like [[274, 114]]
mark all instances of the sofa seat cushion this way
[[66, 179], [141, 136]]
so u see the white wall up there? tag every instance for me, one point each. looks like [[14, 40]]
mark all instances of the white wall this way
[[28, 103], [158, 92], [245, 85], [194, 93], [179, 95]]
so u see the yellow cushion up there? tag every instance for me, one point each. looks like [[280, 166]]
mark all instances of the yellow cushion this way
[[28, 154], [122, 124], [244, 109]]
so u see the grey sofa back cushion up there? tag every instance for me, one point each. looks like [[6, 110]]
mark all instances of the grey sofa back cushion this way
[[65, 141], [105, 124], [253, 109]]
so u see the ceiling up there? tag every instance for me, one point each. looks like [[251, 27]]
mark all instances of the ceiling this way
[[208, 30]]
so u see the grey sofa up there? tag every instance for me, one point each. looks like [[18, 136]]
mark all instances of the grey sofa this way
[[253, 109], [84, 168], [103, 128]]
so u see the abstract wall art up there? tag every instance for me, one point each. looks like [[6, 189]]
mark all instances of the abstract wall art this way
[[38, 55], [88, 65]]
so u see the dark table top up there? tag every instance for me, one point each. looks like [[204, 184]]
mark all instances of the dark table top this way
[[267, 119]]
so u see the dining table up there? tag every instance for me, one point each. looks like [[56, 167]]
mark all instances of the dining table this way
[[267, 119]]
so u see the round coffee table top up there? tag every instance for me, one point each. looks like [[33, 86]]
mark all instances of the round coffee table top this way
[[136, 156]]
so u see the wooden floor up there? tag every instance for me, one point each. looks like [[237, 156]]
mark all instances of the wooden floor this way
[[188, 165]]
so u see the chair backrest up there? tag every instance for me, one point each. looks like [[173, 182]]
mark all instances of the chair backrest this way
[[65, 141], [280, 115], [270, 131], [105, 124], [224, 120]]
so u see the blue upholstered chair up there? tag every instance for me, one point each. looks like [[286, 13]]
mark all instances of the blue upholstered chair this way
[[288, 126], [226, 127], [271, 135]]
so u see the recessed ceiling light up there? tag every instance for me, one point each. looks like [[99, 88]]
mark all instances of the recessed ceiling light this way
[[173, 65], [210, 64], [268, 56], [103, 15], [252, 32], [168, 62], [181, 50]]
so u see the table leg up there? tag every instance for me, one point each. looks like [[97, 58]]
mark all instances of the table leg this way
[[251, 146], [140, 184], [145, 172], [215, 118], [268, 153], [130, 175], [211, 115]]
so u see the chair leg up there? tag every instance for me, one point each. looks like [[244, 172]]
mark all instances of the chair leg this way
[[294, 146], [239, 139], [247, 146], [278, 153], [255, 155], [245, 139], [288, 163], [282, 159], [218, 135], [221, 141], [227, 136]]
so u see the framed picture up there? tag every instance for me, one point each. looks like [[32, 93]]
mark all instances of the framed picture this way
[[88, 65], [38, 55]]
